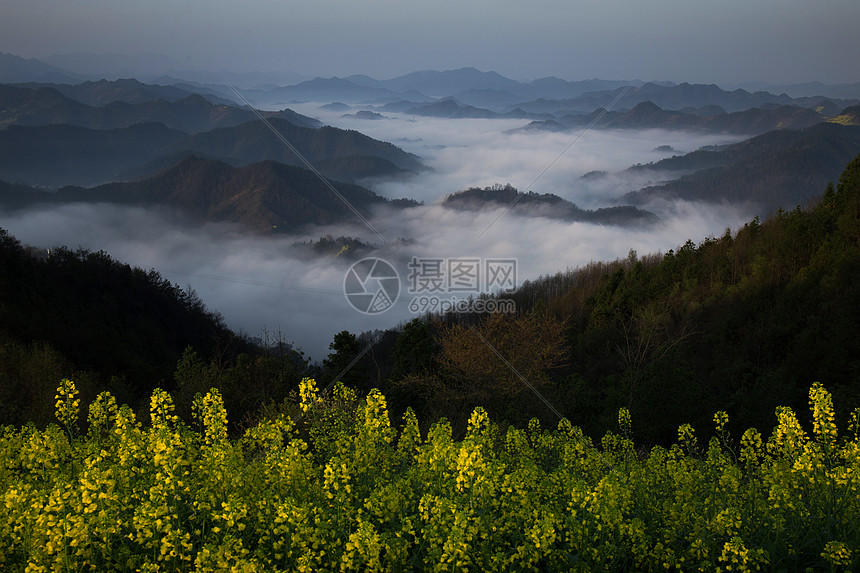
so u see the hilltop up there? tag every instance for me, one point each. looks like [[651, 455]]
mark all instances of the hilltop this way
[[533, 204], [779, 169], [265, 196], [56, 155]]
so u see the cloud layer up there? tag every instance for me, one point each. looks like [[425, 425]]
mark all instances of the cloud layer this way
[[261, 282]]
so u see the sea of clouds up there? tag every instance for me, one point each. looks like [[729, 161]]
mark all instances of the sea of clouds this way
[[265, 282]]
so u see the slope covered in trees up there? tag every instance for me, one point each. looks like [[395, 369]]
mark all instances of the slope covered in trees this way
[[780, 169], [78, 311], [740, 323], [61, 154], [737, 323], [545, 205], [265, 196]]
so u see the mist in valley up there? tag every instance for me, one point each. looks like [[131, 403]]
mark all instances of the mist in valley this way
[[268, 283]]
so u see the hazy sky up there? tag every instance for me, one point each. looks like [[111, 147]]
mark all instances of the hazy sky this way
[[725, 42]]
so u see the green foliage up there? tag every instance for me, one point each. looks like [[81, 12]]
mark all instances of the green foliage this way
[[109, 326], [253, 385], [738, 323], [28, 375], [339, 365], [338, 488], [790, 167], [101, 314], [415, 350]]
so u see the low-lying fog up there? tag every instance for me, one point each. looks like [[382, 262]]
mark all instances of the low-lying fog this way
[[264, 282]]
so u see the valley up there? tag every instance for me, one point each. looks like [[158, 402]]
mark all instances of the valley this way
[[593, 190], [392, 286]]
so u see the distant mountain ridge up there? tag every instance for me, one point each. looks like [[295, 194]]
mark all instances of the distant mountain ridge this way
[[809, 89], [480, 94], [452, 109], [440, 83], [647, 115], [265, 196], [14, 69], [103, 92], [779, 169], [191, 112], [56, 155], [130, 90], [554, 96], [470, 86], [329, 89], [675, 97]]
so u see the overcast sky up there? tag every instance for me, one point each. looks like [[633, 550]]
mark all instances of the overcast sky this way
[[727, 42]]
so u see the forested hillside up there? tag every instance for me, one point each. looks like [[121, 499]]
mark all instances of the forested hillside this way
[[740, 323], [545, 205], [782, 168], [114, 327], [55, 155], [265, 196]]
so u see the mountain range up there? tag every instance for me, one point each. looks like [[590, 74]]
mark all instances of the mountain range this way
[[273, 197], [648, 115], [125, 104], [468, 85], [681, 97], [553, 96], [15, 69], [103, 92], [779, 169], [450, 108], [265, 196], [560, 104], [56, 133], [62, 154]]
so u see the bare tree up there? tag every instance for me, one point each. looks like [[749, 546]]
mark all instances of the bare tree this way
[[647, 336]]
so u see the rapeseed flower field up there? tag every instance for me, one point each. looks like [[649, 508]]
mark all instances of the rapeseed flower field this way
[[341, 488]]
